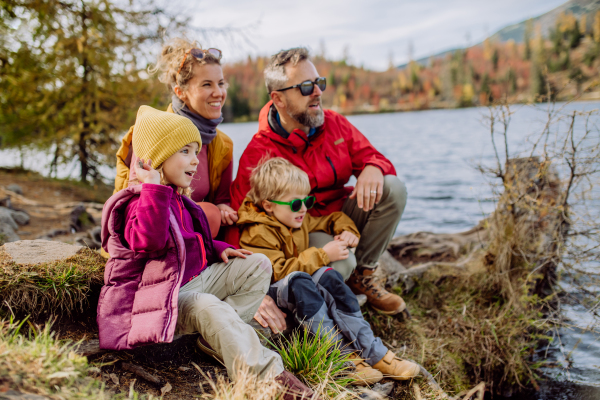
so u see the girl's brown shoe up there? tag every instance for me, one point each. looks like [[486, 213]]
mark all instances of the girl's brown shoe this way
[[395, 368], [364, 374]]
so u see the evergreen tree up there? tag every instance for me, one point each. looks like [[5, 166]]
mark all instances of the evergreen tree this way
[[71, 77]]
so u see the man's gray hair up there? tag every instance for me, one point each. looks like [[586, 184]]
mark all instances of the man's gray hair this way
[[275, 77]]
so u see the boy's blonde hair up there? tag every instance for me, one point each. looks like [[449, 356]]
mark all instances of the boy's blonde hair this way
[[274, 178]]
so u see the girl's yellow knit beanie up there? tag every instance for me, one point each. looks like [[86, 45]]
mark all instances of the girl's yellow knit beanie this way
[[157, 135]]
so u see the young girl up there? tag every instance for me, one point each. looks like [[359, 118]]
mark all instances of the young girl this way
[[166, 274]]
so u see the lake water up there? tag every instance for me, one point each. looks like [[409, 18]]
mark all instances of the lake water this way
[[435, 154]]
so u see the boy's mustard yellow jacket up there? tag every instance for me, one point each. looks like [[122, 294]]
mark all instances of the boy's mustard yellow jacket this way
[[287, 248]]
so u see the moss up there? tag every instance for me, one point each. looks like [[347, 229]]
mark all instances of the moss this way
[[68, 286]]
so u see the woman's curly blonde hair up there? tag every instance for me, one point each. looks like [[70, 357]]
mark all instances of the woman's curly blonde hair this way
[[170, 58]]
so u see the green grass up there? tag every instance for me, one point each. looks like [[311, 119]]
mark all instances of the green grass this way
[[33, 361], [56, 287], [317, 359]]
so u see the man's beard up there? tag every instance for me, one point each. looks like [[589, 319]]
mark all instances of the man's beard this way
[[305, 117]]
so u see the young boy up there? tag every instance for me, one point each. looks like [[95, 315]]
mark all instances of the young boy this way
[[275, 222]]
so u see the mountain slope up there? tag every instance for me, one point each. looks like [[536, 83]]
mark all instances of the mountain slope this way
[[546, 21]]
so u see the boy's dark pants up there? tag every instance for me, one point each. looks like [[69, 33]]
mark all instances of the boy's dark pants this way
[[325, 299]]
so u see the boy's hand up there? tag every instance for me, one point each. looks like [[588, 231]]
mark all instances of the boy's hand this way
[[348, 237], [145, 173], [228, 215], [336, 250], [229, 252]]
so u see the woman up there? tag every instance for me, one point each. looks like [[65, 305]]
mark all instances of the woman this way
[[195, 79]]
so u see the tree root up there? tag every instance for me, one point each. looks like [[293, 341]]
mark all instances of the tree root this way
[[422, 268]]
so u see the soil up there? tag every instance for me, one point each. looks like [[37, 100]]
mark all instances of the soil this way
[[45, 201]]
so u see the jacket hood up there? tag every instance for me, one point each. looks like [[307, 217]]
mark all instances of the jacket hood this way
[[250, 214]]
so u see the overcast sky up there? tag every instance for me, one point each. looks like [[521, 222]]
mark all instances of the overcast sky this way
[[371, 30]]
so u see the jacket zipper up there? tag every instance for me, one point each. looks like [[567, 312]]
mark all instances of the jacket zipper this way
[[333, 168], [202, 249], [170, 313]]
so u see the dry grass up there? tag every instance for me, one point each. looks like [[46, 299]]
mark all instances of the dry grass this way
[[483, 321], [247, 387], [37, 363], [57, 287]]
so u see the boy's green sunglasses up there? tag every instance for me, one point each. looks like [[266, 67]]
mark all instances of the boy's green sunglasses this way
[[296, 204]]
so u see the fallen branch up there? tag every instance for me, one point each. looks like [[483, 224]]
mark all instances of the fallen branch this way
[[142, 373]]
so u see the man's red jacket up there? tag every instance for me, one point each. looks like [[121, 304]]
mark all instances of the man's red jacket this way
[[330, 156]]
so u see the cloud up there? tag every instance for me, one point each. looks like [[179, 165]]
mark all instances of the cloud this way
[[371, 29]]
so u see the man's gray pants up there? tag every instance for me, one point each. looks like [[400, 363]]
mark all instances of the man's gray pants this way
[[376, 227]]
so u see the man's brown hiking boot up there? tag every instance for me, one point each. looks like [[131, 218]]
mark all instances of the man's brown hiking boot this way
[[395, 368], [362, 281]]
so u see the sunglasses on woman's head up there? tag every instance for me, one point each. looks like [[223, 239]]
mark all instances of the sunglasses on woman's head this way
[[198, 54], [308, 87], [296, 204]]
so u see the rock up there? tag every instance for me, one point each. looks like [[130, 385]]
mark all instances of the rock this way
[[15, 188], [8, 226], [93, 241], [383, 389], [362, 299], [80, 219], [392, 271], [379, 391], [5, 202], [7, 234], [89, 348], [6, 218], [20, 217], [39, 251], [53, 233], [264, 334]]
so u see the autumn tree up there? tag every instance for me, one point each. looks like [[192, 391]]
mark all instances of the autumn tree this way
[[71, 75]]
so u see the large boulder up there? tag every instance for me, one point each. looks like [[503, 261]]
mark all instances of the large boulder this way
[[39, 251]]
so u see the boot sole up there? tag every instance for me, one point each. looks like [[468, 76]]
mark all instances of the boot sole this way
[[394, 312]]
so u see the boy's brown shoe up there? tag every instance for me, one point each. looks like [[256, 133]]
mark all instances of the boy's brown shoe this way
[[362, 281], [364, 374], [395, 368]]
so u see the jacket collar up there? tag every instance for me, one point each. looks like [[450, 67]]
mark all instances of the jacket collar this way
[[297, 139]]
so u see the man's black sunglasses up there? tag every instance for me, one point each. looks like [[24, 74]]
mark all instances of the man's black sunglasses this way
[[308, 87]]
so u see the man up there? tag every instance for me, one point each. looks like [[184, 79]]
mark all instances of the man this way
[[329, 149]]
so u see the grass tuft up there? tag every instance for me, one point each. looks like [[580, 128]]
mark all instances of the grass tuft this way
[[61, 286], [37, 363], [318, 360]]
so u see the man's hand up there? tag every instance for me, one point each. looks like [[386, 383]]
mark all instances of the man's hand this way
[[228, 215], [229, 252], [369, 188], [145, 173], [348, 237], [270, 316]]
